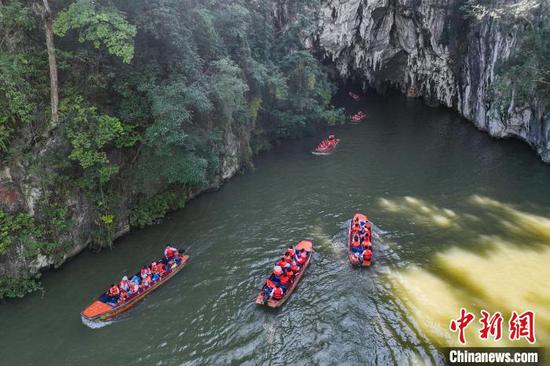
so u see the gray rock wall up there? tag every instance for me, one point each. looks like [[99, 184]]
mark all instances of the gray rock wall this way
[[427, 49], [20, 191]]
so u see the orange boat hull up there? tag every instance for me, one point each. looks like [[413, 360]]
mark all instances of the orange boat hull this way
[[352, 258], [326, 151], [272, 303], [99, 311]]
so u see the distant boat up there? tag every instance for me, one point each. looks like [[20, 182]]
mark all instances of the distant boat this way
[[354, 96], [358, 117], [325, 147]]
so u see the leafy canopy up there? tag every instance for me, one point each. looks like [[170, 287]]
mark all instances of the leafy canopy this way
[[103, 27]]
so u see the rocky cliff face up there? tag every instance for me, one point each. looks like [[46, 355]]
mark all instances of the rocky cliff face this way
[[20, 191], [428, 49]]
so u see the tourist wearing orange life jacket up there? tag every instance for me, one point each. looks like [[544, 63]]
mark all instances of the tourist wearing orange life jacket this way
[[290, 251], [276, 274], [367, 255], [124, 284], [144, 272], [134, 288], [155, 268], [170, 252], [146, 282], [114, 290], [123, 297], [277, 293], [302, 257], [285, 280], [269, 286]]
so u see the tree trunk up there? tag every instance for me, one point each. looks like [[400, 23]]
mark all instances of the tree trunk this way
[[54, 88]]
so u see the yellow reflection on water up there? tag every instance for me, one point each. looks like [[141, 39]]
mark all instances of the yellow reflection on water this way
[[421, 211], [503, 275], [516, 221]]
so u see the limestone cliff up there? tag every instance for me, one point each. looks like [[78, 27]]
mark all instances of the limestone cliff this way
[[429, 49], [21, 191]]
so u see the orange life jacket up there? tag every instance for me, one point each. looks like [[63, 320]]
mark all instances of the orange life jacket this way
[[277, 293], [113, 291], [285, 280], [355, 244], [269, 283], [170, 252], [367, 255], [125, 285]]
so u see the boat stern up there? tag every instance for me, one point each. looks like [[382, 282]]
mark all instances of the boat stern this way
[[96, 310]]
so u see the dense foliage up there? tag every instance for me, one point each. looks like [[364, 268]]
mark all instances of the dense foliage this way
[[150, 92]]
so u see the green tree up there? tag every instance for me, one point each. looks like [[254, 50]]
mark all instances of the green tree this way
[[102, 26]]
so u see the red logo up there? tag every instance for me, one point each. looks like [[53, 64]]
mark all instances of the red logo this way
[[491, 325], [519, 326], [522, 326], [461, 323]]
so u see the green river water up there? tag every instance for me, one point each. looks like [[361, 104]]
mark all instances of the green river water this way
[[461, 220]]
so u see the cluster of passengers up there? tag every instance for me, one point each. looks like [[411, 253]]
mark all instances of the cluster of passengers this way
[[361, 245], [327, 143], [147, 277], [284, 273]]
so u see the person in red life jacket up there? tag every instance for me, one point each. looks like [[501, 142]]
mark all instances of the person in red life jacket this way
[[145, 271], [123, 297], [277, 293], [294, 266], [124, 284], [163, 269], [290, 251], [114, 290], [146, 283], [155, 268], [170, 252], [331, 140], [302, 258], [268, 287], [367, 255], [134, 289], [367, 238], [282, 262], [276, 274], [285, 280], [113, 294]]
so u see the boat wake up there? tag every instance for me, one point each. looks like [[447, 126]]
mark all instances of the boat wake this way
[[95, 324]]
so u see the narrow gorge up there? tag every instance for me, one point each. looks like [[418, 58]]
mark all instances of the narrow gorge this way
[[174, 120]]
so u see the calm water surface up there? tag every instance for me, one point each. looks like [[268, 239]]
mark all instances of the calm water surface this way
[[461, 220]]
